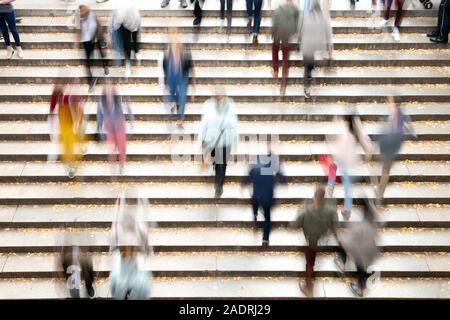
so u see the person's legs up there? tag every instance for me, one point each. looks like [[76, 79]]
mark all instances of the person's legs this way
[[135, 44], [121, 140], [222, 9], [126, 41], [4, 29], [310, 255], [87, 273], [111, 139], [384, 178], [257, 16], [346, 180], [267, 223], [102, 52], [399, 15], [249, 7], [445, 19], [275, 60], [88, 48], [387, 13], [197, 13], [362, 277], [308, 61], [285, 52], [181, 98], [229, 15], [11, 21]]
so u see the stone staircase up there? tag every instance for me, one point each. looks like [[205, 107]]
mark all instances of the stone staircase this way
[[205, 247]]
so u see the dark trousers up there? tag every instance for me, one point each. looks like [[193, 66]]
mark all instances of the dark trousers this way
[[444, 19], [256, 203], [220, 158], [87, 272], [284, 44], [308, 61], [254, 11], [399, 16], [89, 47], [198, 12], [129, 41], [10, 20], [229, 5], [361, 272], [310, 255]]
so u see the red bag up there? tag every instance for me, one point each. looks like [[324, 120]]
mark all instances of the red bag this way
[[328, 166]]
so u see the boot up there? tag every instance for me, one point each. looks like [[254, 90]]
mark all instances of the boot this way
[[19, 52]]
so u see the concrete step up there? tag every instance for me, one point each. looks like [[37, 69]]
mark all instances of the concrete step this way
[[247, 93], [47, 24], [203, 193], [380, 41], [246, 111], [231, 264], [200, 216], [279, 130], [244, 58], [235, 75], [217, 239], [237, 288], [188, 151], [191, 172]]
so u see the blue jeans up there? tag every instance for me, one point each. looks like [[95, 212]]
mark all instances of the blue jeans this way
[[254, 10], [177, 93], [10, 19], [347, 181]]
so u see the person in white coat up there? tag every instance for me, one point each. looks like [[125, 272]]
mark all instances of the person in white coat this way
[[218, 134]]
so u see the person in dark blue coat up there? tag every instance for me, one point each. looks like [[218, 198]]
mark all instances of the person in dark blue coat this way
[[264, 175]]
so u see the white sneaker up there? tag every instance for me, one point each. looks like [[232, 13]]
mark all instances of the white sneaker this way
[[127, 69], [19, 52], [9, 52], [383, 24], [396, 34], [138, 58]]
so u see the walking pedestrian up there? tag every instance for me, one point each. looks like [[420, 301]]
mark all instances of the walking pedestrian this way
[[315, 37], [110, 115], [127, 21], [8, 23], [359, 243], [129, 277], [218, 134], [398, 17], [316, 223], [284, 25], [91, 36], [440, 34], [77, 266], [391, 141], [264, 175], [254, 17], [178, 66]]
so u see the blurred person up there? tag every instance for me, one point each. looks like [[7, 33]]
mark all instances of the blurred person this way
[[8, 23], [344, 154], [127, 21], [264, 175], [115, 39], [229, 7], [398, 17], [77, 265], [315, 37], [254, 16], [316, 222], [440, 34], [391, 141], [165, 3], [68, 116], [218, 134], [91, 36], [284, 25], [353, 4], [359, 243], [129, 278], [177, 65], [110, 115]]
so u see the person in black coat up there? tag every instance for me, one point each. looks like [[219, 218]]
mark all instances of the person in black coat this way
[[264, 175], [440, 34]]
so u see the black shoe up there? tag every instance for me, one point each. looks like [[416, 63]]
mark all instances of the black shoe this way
[[91, 292], [439, 40], [197, 21], [432, 34]]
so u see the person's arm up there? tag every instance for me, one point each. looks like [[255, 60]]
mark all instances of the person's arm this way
[[281, 178], [53, 101], [249, 178]]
